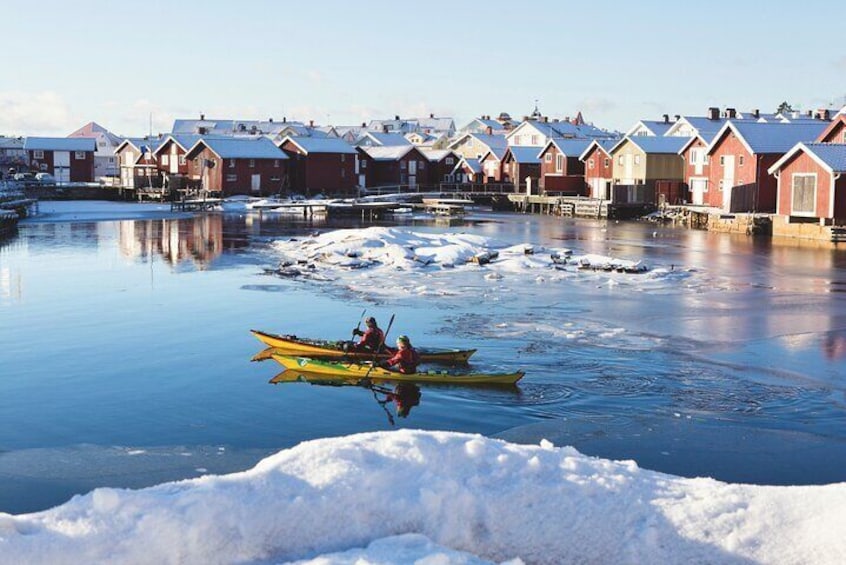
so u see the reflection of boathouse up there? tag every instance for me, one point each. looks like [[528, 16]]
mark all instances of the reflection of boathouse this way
[[199, 239]]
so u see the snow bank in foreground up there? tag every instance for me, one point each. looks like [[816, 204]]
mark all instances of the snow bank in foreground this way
[[415, 263], [357, 499]]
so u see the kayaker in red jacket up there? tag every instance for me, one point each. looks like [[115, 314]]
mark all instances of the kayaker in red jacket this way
[[406, 359], [372, 339]]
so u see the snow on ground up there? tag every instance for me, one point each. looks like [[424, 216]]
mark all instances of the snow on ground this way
[[428, 264], [436, 497]]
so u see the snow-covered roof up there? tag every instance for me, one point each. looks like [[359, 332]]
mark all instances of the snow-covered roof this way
[[831, 156], [387, 153], [185, 141], [229, 127], [491, 141], [93, 129], [321, 144], [765, 137], [236, 148], [60, 144], [142, 144], [11, 142], [435, 155], [655, 127], [382, 139]]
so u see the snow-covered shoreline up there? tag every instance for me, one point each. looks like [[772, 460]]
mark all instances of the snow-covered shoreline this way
[[399, 496]]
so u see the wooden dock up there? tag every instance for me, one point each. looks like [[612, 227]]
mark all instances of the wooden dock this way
[[194, 204]]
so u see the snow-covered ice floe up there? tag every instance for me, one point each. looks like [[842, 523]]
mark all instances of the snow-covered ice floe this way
[[383, 261], [442, 497]]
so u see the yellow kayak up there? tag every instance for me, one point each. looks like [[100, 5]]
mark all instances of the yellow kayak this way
[[356, 372], [325, 349]]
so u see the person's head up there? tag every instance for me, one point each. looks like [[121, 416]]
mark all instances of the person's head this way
[[371, 322], [403, 342]]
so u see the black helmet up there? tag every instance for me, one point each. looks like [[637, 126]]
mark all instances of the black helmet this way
[[370, 320]]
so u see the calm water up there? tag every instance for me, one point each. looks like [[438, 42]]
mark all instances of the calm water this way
[[125, 355]]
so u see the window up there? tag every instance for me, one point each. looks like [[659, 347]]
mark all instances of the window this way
[[421, 165], [516, 140], [721, 184], [276, 163], [343, 157], [231, 163], [111, 159], [101, 144], [363, 164], [705, 159], [43, 166], [403, 165], [182, 159], [722, 162], [79, 155], [548, 158], [231, 178], [637, 159], [449, 160], [620, 160], [606, 162], [740, 160], [804, 194], [534, 140], [38, 154], [252, 163], [590, 163], [165, 160], [343, 173], [559, 162], [694, 156]]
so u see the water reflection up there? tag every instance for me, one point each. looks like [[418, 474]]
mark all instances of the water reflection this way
[[199, 239], [400, 398]]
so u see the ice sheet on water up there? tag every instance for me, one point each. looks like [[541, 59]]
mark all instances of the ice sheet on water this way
[[396, 262]]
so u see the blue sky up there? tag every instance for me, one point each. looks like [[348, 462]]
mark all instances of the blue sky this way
[[342, 62]]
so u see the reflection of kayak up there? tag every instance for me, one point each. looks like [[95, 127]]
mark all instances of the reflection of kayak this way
[[332, 370], [325, 349]]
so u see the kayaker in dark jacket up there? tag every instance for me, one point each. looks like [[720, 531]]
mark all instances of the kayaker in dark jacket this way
[[406, 359], [372, 339]]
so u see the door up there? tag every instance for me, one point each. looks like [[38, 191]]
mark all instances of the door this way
[[255, 183], [61, 166], [728, 180], [362, 181], [628, 169], [412, 173], [698, 187]]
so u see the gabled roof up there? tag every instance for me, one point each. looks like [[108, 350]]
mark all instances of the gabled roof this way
[[473, 164], [60, 144], [491, 141], [383, 139], [655, 127], [604, 145], [240, 148], [654, 145], [526, 154], [228, 127], [496, 152], [185, 141], [320, 145], [765, 137], [93, 129], [387, 153], [569, 147], [436, 155], [831, 156], [837, 121], [561, 128], [141, 144], [702, 125]]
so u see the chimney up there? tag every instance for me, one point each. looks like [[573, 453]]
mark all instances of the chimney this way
[[756, 113], [384, 129], [810, 113], [489, 130], [713, 113], [546, 119], [202, 117], [677, 117], [731, 113], [364, 125], [270, 120], [311, 123], [284, 119], [666, 118], [431, 115], [826, 114], [396, 118]]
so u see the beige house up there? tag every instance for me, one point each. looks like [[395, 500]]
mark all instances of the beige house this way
[[476, 145], [646, 159]]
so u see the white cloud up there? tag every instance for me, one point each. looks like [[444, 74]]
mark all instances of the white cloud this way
[[36, 113]]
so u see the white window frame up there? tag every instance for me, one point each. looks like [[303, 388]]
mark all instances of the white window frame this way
[[637, 159], [252, 163], [79, 155], [38, 154], [165, 160], [449, 161], [231, 163], [809, 213], [548, 157], [231, 178], [559, 162], [590, 163]]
